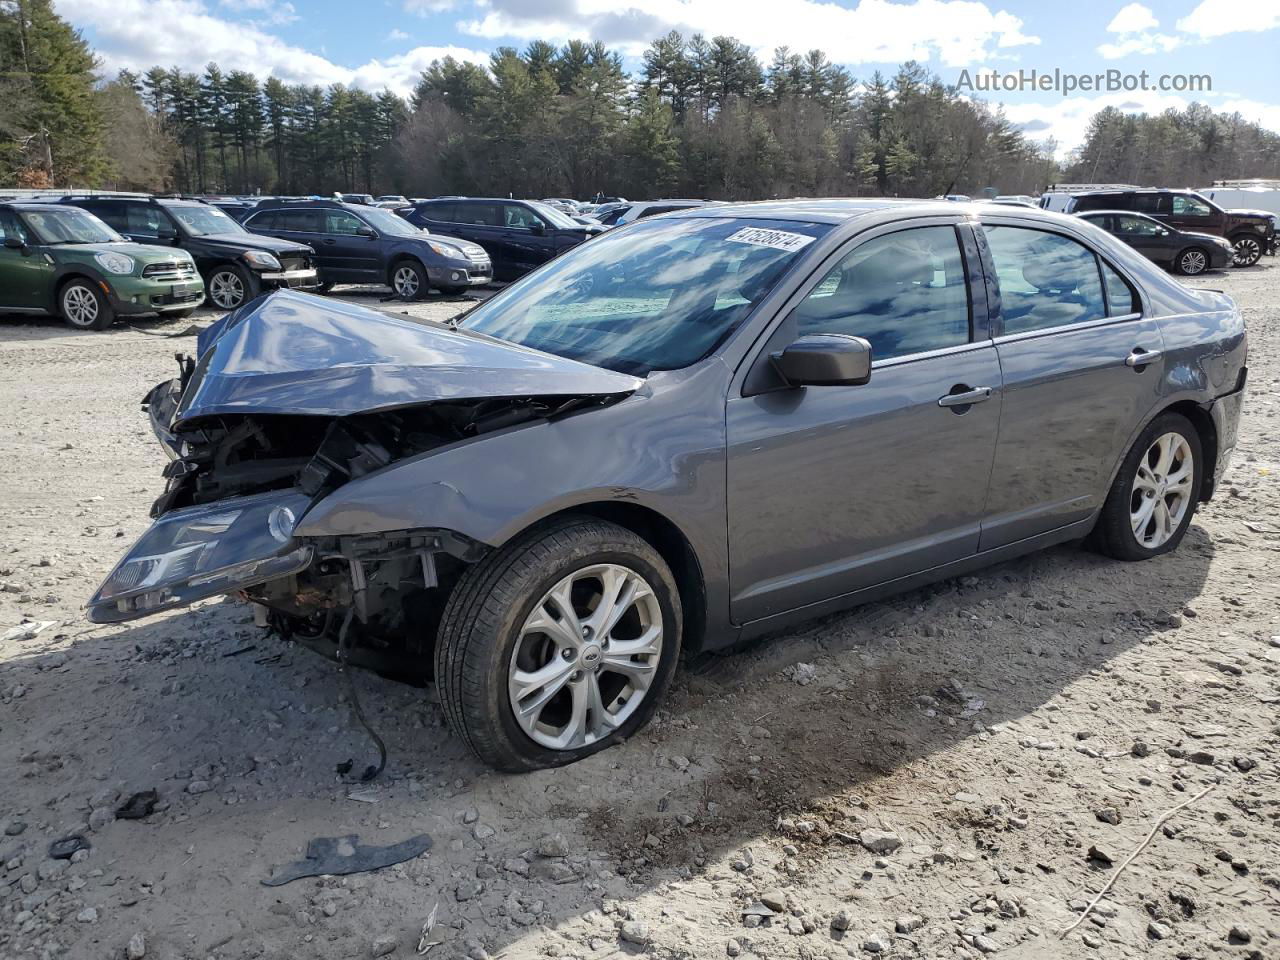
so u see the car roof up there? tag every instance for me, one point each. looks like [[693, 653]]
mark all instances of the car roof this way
[[1103, 193], [1127, 213], [830, 210]]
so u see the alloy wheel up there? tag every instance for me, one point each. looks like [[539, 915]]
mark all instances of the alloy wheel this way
[[1162, 490], [1247, 252], [1193, 262], [405, 282], [226, 289], [585, 657], [80, 306]]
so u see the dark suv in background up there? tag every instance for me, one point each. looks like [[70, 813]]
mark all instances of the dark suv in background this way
[[518, 234], [236, 265], [1251, 233], [360, 244]]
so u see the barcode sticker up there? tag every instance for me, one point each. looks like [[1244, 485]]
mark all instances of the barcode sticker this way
[[777, 239]]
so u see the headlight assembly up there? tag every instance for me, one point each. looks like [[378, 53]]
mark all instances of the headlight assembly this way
[[261, 259], [202, 551], [116, 263], [447, 250]]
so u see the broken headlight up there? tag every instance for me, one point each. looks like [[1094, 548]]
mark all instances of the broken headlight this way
[[203, 551]]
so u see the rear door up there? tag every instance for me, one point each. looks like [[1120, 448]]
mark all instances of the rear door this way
[[1071, 336], [1148, 237], [837, 488]]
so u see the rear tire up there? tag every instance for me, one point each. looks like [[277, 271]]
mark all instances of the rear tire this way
[[507, 642], [1155, 492], [1191, 262], [84, 306]]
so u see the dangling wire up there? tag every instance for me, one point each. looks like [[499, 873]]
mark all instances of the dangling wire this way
[[344, 667]]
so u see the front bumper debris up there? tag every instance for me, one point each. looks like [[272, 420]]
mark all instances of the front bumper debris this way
[[203, 551]]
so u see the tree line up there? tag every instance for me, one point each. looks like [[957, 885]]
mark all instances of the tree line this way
[[700, 117]]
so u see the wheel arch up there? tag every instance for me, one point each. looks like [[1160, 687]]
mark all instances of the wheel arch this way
[[1198, 413], [399, 257], [672, 545]]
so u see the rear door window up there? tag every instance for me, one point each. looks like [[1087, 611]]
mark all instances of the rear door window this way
[[477, 214], [904, 293], [267, 220], [1152, 203], [300, 221], [144, 220], [111, 212], [1046, 280]]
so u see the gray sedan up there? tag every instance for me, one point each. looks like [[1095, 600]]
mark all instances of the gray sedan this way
[[687, 432]]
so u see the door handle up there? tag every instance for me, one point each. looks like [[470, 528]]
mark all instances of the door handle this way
[[329, 240], [1139, 357], [966, 397]]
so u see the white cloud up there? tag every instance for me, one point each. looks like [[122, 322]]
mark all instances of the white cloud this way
[[1132, 19], [1136, 26], [957, 32], [397, 35], [1265, 114], [1216, 18], [425, 8], [1139, 43], [140, 34]]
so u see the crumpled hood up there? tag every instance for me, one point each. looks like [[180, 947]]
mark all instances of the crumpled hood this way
[[295, 353]]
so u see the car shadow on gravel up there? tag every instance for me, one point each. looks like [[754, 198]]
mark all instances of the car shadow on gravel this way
[[822, 732]]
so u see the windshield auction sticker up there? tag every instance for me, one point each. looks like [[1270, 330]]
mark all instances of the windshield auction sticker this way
[[777, 239]]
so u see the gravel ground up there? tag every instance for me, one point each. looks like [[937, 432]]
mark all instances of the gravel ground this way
[[944, 774]]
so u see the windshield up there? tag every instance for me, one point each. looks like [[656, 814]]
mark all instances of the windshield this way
[[69, 225], [202, 221], [553, 216], [658, 295], [386, 221]]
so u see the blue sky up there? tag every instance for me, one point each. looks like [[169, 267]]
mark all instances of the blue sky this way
[[386, 43]]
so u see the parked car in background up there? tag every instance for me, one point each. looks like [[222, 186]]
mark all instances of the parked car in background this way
[[236, 265], [1251, 233], [392, 200], [363, 244], [610, 213], [598, 468], [66, 262], [641, 209], [519, 235], [364, 199], [1016, 199], [233, 207], [1180, 250]]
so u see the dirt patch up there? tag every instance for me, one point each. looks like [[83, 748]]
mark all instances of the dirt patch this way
[[924, 776]]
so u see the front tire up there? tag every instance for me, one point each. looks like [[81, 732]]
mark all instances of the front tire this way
[[1191, 262], [1154, 494], [230, 286], [1248, 250], [559, 645], [409, 280], [85, 307]]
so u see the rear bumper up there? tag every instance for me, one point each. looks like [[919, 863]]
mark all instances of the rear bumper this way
[[1225, 411]]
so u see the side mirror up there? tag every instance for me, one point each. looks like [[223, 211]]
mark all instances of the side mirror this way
[[369, 232], [14, 243], [825, 360], [538, 228]]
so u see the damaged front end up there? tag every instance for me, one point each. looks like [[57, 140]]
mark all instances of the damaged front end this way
[[288, 402]]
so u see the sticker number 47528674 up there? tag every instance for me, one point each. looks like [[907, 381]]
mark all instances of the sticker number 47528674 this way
[[777, 239]]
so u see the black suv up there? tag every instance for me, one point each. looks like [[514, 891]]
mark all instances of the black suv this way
[[236, 265], [1250, 232], [359, 244], [519, 234]]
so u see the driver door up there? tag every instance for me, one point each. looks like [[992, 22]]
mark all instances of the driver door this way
[[26, 277], [832, 489]]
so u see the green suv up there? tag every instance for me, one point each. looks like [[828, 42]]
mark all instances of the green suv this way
[[64, 261]]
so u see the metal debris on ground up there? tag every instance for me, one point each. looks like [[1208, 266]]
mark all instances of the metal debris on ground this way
[[338, 856]]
